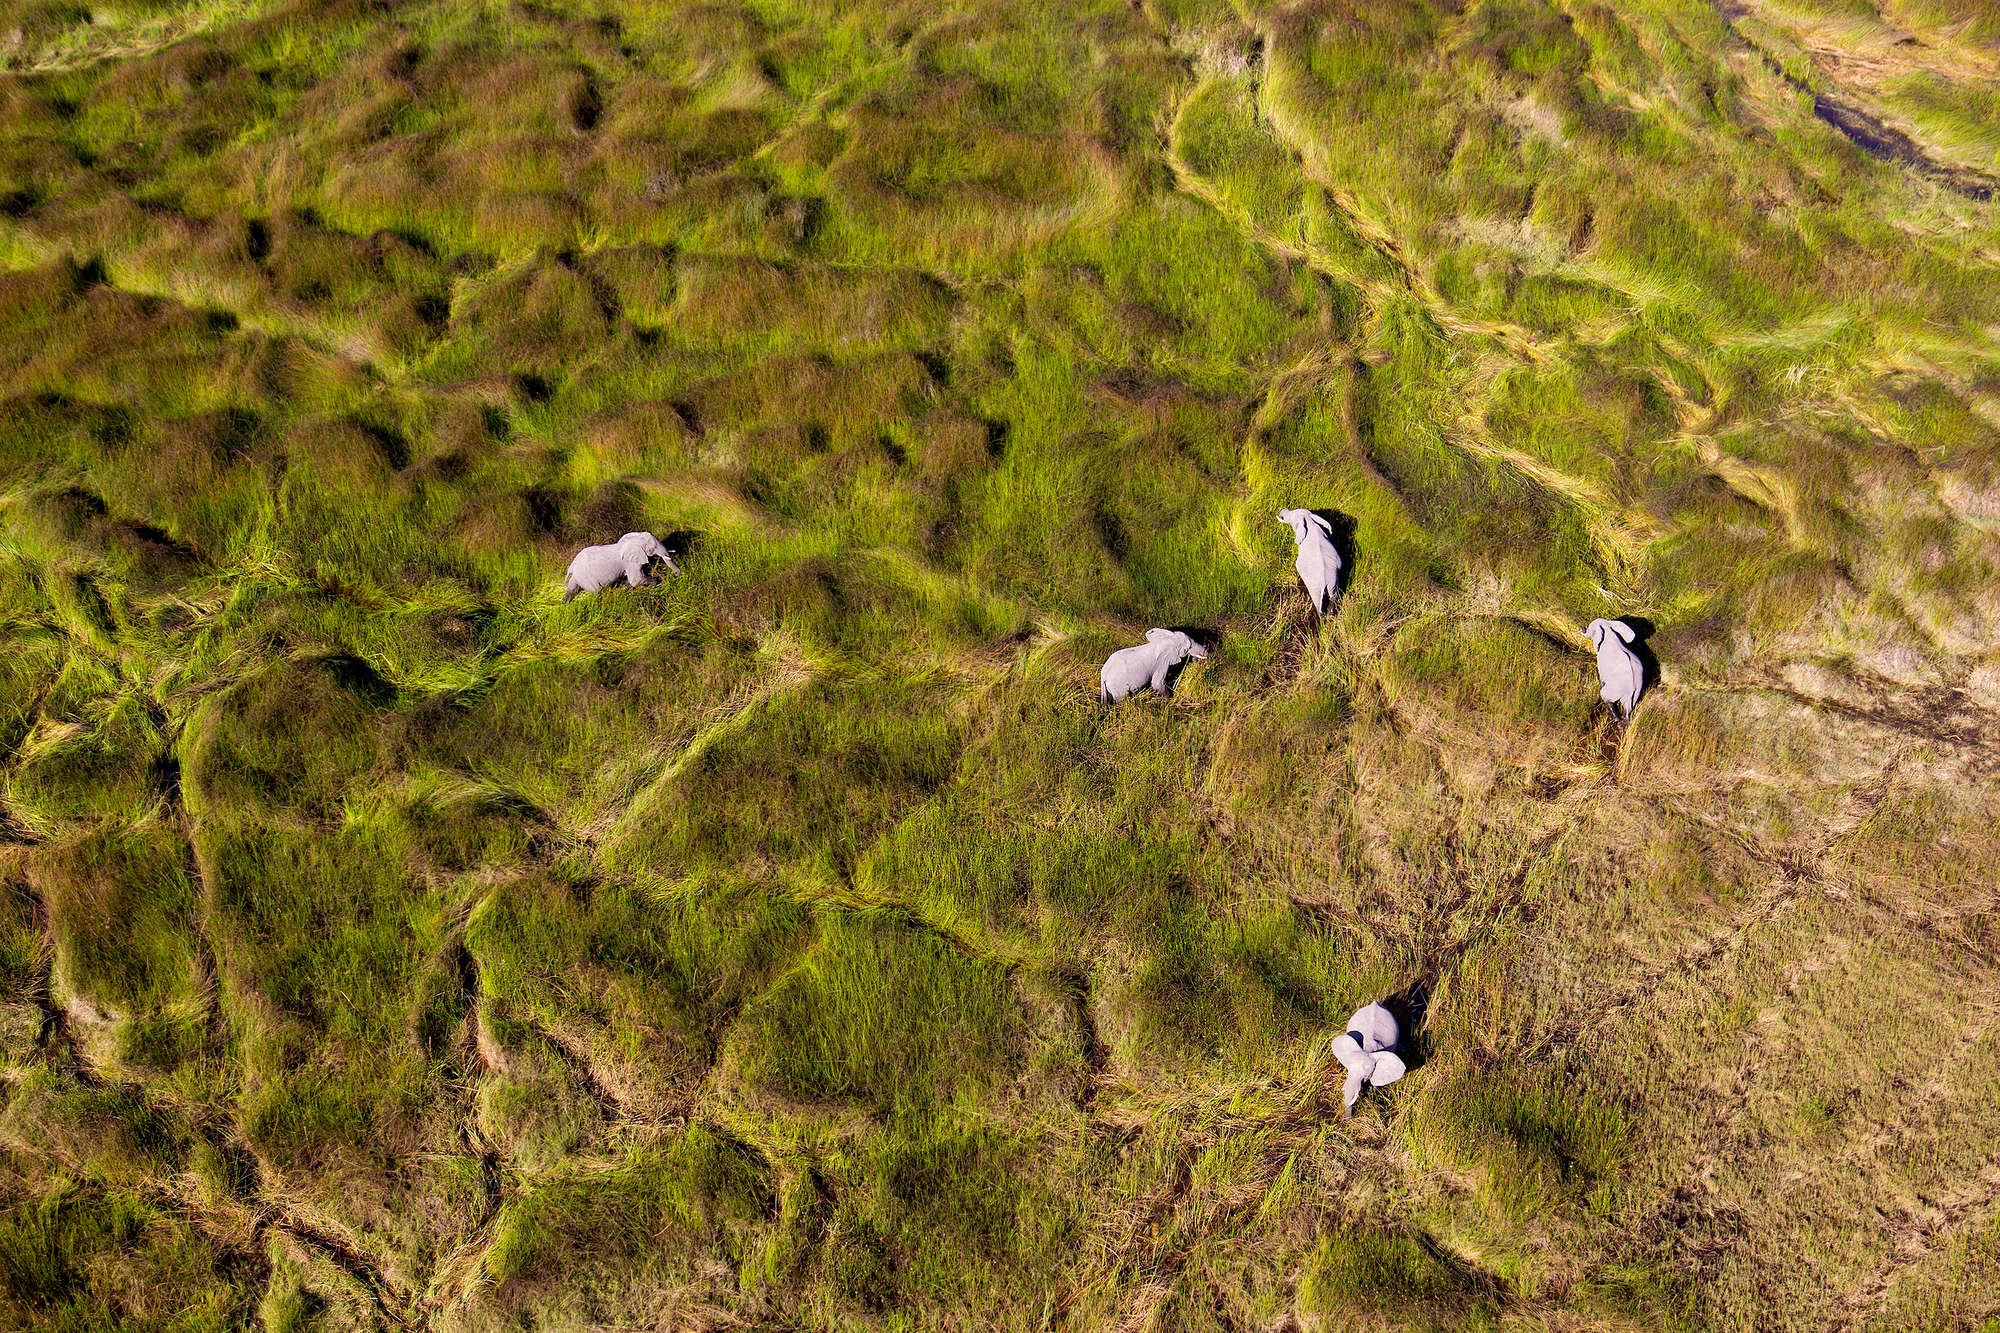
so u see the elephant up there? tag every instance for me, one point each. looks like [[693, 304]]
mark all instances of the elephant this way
[[1130, 669], [598, 567], [1623, 674], [1367, 1051], [1318, 563]]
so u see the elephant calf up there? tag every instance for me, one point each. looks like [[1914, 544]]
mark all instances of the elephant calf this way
[[1318, 562], [1129, 670], [598, 567], [1367, 1051], [1623, 674]]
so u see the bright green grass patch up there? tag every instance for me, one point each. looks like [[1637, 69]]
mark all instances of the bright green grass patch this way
[[1964, 117], [697, 1196], [1403, 1275], [886, 1017], [788, 788], [61, 1257]]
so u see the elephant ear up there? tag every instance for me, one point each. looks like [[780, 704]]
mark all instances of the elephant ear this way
[[1621, 629], [1595, 632], [1348, 1051], [1158, 635], [1317, 521], [1388, 1068]]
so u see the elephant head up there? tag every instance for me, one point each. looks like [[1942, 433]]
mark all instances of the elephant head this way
[[646, 548], [1302, 522], [1177, 644], [1597, 629]]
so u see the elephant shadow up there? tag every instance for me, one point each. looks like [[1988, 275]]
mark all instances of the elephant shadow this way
[[683, 543], [1208, 639], [1409, 1006], [1649, 665], [1342, 536]]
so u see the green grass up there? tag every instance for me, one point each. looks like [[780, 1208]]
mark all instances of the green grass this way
[[798, 943]]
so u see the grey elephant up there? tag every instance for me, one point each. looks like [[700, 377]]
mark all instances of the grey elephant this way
[[1318, 563], [598, 567], [1623, 674], [1129, 670], [1367, 1051]]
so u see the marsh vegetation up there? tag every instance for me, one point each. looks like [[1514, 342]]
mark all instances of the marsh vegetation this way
[[798, 943]]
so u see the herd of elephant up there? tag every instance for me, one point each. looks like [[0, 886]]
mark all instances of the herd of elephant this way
[[1152, 663], [1128, 670], [1367, 1049]]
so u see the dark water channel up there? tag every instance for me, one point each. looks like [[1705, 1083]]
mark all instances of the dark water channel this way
[[1866, 132]]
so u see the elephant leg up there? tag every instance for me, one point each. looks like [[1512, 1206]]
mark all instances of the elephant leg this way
[[1160, 681]]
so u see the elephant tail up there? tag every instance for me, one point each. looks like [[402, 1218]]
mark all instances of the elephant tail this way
[[1104, 694]]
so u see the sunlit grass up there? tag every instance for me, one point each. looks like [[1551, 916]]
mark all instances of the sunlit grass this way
[[797, 942]]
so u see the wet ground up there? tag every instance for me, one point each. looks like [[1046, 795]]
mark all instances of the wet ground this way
[[1869, 133]]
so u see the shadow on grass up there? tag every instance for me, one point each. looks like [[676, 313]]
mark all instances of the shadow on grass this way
[[683, 543], [1649, 665], [359, 677], [1344, 546], [1208, 640], [1410, 1006]]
